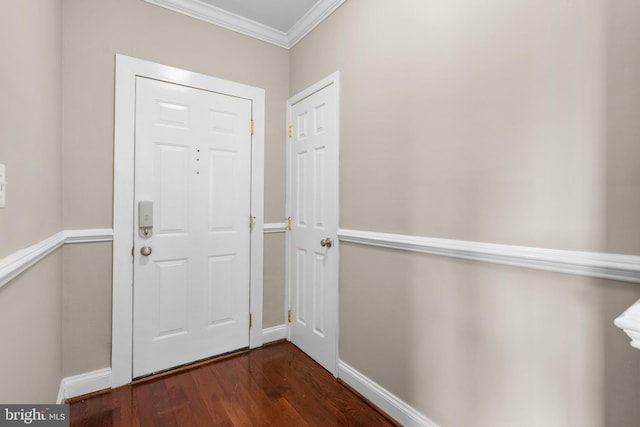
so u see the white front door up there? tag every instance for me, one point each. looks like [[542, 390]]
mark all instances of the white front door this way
[[191, 270], [313, 206]]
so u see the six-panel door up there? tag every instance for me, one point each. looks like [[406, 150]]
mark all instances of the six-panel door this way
[[313, 186], [193, 161]]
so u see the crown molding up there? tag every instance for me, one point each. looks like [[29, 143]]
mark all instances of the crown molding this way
[[310, 20], [231, 21], [217, 16]]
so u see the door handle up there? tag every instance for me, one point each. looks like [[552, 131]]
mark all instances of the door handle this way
[[326, 243], [145, 251]]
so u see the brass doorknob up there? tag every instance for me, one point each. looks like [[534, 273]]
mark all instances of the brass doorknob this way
[[145, 251], [326, 243]]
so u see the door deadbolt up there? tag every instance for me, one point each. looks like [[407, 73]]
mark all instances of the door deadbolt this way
[[145, 251], [326, 243]]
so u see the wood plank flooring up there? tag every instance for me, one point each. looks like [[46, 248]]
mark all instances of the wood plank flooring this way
[[276, 385]]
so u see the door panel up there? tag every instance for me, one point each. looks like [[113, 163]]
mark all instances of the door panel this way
[[193, 161], [221, 302], [300, 298], [172, 288], [313, 189], [173, 173]]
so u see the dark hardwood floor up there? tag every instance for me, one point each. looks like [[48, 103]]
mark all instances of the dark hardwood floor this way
[[276, 385]]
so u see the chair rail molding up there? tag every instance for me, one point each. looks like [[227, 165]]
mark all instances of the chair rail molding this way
[[274, 227], [21, 260], [624, 268], [89, 235]]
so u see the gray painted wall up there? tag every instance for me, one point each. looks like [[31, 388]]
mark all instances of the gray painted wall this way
[[501, 122], [30, 138]]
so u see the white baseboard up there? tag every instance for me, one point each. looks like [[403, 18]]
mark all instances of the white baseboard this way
[[274, 333], [382, 398], [60, 397], [89, 382]]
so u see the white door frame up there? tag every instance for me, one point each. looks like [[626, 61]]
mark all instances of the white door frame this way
[[332, 79], [127, 69]]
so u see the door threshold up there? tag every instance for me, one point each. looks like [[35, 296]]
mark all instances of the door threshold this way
[[187, 366]]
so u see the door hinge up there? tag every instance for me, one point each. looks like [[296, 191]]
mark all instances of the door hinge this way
[[290, 131], [289, 223], [250, 320], [252, 126], [252, 221], [289, 316]]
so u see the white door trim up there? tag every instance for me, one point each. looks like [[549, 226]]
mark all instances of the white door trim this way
[[332, 79], [127, 68]]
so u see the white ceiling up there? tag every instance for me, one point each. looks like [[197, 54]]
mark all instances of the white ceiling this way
[[281, 22], [278, 14]]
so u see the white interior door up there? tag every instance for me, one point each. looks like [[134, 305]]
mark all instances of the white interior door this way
[[193, 162], [313, 206]]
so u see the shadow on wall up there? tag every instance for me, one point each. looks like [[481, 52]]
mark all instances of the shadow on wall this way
[[375, 327], [501, 346], [621, 369], [622, 128], [621, 365]]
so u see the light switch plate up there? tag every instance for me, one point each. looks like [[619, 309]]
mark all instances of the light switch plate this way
[[3, 186]]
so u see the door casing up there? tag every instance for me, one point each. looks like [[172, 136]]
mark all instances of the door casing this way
[[332, 79], [127, 68]]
